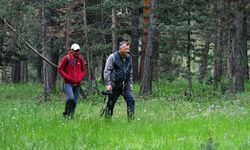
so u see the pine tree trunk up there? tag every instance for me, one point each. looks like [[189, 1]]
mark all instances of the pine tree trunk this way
[[134, 39], [48, 80], [89, 50], [204, 59], [146, 22], [231, 59], [239, 66], [1, 39], [16, 67], [155, 56], [68, 25], [23, 72], [16, 16], [189, 74], [218, 54], [168, 61], [229, 49], [114, 32], [245, 55], [6, 73], [146, 87], [39, 68], [103, 57]]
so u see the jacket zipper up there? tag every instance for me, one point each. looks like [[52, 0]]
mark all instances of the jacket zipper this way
[[123, 83], [124, 69], [75, 71]]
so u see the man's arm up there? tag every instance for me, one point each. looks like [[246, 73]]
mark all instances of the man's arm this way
[[107, 72], [62, 66]]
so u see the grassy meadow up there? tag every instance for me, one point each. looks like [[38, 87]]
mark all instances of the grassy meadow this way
[[166, 120]]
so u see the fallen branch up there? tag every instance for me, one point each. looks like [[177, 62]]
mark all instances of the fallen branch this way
[[31, 48]]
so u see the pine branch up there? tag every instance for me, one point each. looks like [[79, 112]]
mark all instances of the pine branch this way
[[27, 44]]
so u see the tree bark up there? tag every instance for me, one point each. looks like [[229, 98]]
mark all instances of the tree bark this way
[[48, 81], [6, 73], [89, 50], [204, 59], [114, 30], [146, 87], [189, 91], [39, 68], [218, 53], [23, 72], [155, 56], [245, 55], [16, 71], [1, 39], [229, 48], [135, 39], [146, 23], [239, 65], [16, 16], [68, 25]]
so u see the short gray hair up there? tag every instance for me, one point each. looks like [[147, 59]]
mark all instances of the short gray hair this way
[[122, 43]]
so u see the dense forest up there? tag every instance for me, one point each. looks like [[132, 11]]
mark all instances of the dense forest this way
[[196, 40]]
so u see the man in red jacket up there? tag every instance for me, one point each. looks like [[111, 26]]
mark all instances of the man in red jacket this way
[[73, 70]]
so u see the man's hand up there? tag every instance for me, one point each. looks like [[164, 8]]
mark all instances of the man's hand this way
[[131, 85], [108, 88]]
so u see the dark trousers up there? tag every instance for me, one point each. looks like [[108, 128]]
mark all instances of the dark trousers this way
[[128, 95]]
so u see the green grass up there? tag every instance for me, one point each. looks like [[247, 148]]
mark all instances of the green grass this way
[[161, 122]]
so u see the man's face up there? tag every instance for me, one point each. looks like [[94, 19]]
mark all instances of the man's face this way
[[124, 49], [75, 52]]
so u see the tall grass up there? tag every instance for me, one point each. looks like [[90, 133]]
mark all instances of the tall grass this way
[[164, 122]]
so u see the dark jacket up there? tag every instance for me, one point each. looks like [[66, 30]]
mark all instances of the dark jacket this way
[[73, 70], [118, 71]]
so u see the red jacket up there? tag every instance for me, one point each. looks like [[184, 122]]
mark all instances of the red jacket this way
[[73, 70]]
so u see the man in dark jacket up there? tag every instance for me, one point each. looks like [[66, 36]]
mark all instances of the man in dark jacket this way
[[118, 79], [73, 70]]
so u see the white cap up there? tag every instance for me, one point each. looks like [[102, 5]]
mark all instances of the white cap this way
[[75, 47]]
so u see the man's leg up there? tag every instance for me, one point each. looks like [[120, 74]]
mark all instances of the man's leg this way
[[68, 88], [67, 109], [116, 92], [76, 91], [129, 98]]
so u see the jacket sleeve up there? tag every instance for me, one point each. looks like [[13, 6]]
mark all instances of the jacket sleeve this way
[[108, 70], [61, 68]]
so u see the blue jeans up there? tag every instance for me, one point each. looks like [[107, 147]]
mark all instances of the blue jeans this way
[[72, 92], [128, 95]]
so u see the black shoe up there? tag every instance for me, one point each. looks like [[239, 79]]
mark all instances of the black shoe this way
[[131, 116], [67, 109], [108, 113], [72, 109]]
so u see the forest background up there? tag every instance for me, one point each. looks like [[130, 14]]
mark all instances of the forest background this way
[[190, 69], [195, 40]]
